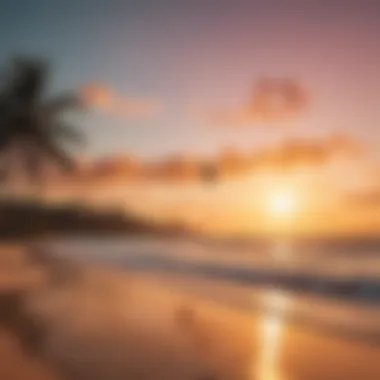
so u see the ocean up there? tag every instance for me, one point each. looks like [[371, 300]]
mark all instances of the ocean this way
[[315, 305], [336, 282]]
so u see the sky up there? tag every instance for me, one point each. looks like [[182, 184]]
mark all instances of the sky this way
[[170, 66]]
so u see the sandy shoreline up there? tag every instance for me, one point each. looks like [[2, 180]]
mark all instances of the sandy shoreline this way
[[61, 321], [97, 324]]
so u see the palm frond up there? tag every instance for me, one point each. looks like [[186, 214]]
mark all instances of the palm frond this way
[[62, 103], [55, 153], [28, 79], [33, 163], [33, 124], [64, 131]]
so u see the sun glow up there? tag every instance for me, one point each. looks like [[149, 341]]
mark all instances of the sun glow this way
[[281, 203]]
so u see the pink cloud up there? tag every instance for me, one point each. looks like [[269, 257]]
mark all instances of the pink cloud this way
[[271, 100]]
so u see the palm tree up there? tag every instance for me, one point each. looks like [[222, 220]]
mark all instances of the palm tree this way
[[32, 128]]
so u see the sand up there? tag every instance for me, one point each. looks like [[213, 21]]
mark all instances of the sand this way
[[61, 320], [66, 322]]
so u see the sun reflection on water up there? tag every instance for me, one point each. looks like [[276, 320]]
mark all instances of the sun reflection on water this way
[[271, 327]]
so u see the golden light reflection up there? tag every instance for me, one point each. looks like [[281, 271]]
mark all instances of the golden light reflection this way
[[271, 332]]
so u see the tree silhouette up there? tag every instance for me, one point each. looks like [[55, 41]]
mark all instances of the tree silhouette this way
[[32, 128]]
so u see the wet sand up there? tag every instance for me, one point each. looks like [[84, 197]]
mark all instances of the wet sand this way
[[69, 322], [96, 324]]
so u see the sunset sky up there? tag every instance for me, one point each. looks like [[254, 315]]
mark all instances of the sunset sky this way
[[176, 77]]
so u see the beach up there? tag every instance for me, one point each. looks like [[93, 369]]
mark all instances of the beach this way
[[65, 320], [96, 324]]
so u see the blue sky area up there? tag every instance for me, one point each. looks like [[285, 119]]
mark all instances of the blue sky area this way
[[197, 56]]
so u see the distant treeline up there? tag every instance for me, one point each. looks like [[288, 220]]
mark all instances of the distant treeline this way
[[29, 218]]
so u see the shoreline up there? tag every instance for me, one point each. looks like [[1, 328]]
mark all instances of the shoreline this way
[[78, 322], [180, 336]]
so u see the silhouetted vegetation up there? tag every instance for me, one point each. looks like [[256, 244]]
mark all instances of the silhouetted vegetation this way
[[32, 129], [29, 218]]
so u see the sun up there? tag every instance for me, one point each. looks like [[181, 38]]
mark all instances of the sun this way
[[281, 203]]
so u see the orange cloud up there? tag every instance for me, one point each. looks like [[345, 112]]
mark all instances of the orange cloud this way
[[272, 100], [228, 163], [124, 166], [176, 168], [365, 199], [341, 143], [97, 95], [100, 96], [139, 108], [287, 155]]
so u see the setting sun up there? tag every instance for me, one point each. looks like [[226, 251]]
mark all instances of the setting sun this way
[[281, 203]]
